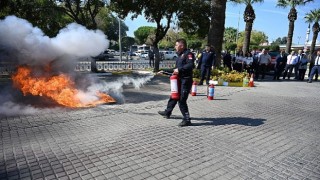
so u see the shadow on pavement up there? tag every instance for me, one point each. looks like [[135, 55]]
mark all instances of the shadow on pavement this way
[[228, 120]]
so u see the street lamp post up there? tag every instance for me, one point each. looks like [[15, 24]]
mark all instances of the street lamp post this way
[[299, 39], [120, 50]]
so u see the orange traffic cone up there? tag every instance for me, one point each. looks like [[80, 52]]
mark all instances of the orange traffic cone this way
[[251, 82]]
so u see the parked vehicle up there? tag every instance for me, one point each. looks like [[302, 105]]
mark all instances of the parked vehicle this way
[[144, 55], [105, 56], [169, 55], [273, 55]]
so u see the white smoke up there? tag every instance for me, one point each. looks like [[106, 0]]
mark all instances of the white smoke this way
[[10, 108], [31, 46], [92, 42], [116, 87], [23, 43]]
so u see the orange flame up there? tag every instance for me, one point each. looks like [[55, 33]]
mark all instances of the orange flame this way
[[59, 88]]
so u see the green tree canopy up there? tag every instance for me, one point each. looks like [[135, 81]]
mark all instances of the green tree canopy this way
[[142, 33], [41, 13], [292, 16], [159, 12], [257, 38], [313, 17], [82, 12], [109, 24], [127, 42]]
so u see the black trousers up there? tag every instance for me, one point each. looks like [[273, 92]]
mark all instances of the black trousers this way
[[296, 71], [185, 87], [290, 68], [205, 74], [302, 72], [151, 60], [278, 72], [261, 70]]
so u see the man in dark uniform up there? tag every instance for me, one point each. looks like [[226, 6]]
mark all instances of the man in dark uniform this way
[[151, 56], [184, 67], [281, 61], [205, 63], [227, 58]]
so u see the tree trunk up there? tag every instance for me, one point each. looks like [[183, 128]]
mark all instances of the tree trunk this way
[[215, 36], [315, 30], [290, 35], [156, 58], [247, 36]]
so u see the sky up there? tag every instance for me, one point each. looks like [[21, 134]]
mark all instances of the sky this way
[[270, 19]]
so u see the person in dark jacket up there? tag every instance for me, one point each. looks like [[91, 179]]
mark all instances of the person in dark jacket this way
[[151, 56], [206, 62], [227, 58], [312, 64], [281, 61], [184, 70]]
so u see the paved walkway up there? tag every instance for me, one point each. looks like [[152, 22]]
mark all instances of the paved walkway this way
[[267, 132]]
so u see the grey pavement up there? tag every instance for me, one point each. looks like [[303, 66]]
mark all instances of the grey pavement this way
[[270, 131]]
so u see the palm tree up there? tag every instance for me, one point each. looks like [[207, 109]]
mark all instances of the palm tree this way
[[216, 29], [313, 16], [292, 16], [248, 16]]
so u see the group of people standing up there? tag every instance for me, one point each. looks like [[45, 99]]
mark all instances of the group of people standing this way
[[298, 62], [253, 63], [258, 63]]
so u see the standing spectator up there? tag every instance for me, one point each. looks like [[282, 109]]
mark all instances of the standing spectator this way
[[151, 56], [316, 67], [206, 62], [255, 65], [184, 67], [263, 61], [248, 61], [227, 60], [281, 60], [311, 66], [297, 65], [303, 66], [238, 63], [291, 62]]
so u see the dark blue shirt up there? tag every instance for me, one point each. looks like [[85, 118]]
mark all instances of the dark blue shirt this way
[[185, 64], [282, 59], [207, 58]]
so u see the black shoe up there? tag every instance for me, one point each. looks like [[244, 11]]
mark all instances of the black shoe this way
[[185, 123], [165, 114], [309, 81]]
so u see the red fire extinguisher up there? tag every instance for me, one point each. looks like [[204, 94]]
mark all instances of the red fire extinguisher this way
[[174, 87], [211, 92], [194, 88]]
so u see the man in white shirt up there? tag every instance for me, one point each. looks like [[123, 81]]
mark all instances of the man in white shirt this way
[[316, 67], [263, 60], [291, 62]]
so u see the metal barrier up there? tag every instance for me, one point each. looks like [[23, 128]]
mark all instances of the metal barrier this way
[[7, 68], [102, 66], [83, 66]]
